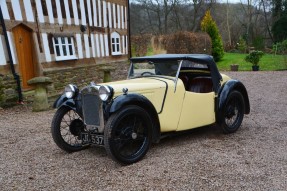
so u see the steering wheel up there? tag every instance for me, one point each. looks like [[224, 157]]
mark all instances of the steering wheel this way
[[144, 73]]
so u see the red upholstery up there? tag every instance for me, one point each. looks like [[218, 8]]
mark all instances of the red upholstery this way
[[184, 79], [201, 85]]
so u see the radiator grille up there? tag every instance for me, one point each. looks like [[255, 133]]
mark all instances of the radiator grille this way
[[91, 109]]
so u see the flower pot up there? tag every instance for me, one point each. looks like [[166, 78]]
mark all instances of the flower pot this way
[[234, 67], [255, 68]]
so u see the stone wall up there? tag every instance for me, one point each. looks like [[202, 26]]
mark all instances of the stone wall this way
[[80, 76], [8, 90], [83, 75]]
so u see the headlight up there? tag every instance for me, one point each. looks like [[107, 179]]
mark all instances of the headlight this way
[[71, 91], [105, 93]]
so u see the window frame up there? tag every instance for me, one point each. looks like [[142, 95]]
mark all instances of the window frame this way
[[116, 44], [59, 43]]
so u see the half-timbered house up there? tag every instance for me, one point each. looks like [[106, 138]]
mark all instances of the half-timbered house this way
[[63, 39]]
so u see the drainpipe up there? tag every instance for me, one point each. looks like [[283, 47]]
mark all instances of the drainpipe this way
[[16, 76]]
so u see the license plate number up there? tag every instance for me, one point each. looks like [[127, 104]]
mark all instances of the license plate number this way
[[91, 138]]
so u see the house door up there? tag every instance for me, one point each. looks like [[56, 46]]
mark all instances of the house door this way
[[24, 46]]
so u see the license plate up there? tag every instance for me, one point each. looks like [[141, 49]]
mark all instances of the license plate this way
[[92, 138]]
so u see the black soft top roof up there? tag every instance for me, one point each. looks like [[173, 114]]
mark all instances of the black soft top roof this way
[[200, 58]]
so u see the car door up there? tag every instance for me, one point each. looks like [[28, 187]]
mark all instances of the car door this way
[[197, 110]]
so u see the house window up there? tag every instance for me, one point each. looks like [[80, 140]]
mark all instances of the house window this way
[[116, 49], [64, 48]]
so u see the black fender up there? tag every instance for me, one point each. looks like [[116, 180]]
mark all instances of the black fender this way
[[64, 101], [139, 100], [223, 94]]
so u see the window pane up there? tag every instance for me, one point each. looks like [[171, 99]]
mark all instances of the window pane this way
[[114, 48], [118, 40], [56, 40], [63, 40], [69, 40], [58, 51], [113, 40], [71, 50], [118, 47], [64, 50]]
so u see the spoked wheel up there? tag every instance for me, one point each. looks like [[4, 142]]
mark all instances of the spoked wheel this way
[[233, 112], [128, 135], [66, 129]]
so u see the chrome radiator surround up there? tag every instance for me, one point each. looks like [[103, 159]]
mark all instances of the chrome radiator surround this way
[[92, 108]]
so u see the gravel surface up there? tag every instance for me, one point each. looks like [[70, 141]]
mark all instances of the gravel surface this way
[[254, 158]]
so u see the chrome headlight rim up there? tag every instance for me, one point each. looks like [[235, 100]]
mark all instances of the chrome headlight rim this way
[[105, 92], [71, 91]]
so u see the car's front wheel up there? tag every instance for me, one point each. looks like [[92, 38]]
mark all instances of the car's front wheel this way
[[128, 134], [66, 129], [233, 112]]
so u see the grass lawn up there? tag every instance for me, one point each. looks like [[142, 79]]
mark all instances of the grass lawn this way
[[268, 62]]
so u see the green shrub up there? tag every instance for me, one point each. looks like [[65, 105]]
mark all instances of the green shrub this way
[[242, 46], [280, 47], [254, 57], [258, 43], [208, 25]]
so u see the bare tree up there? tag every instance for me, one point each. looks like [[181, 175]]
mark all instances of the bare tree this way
[[227, 23], [249, 18], [267, 20]]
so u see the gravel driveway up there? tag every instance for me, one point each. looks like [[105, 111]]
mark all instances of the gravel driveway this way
[[254, 158]]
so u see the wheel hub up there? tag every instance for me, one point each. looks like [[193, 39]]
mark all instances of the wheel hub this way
[[134, 135], [76, 127], [231, 112]]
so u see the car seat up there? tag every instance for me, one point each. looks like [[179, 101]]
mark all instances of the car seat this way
[[201, 85]]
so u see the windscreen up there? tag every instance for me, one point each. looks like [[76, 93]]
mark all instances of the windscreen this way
[[163, 68]]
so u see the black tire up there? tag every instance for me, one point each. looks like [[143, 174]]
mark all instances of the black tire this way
[[66, 129], [127, 134], [233, 112]]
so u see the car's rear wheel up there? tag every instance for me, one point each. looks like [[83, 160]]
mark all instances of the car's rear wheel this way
[[233, 112], [66, 129], [128, 134]]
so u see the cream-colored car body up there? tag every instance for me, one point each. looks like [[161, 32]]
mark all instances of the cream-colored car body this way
[[225, 78], [177, 110]]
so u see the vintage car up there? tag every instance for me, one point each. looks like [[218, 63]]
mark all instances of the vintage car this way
[[163, 94]]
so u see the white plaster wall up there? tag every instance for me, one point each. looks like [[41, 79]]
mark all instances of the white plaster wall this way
[[40, 11], [75, 11], [46, 47], [29, 11], [102, 45], [87, 47], [4, 9], [79, 45], [59, 12], [95, 13], [93, 45], [16, 10], [89, 12], [83, 14], [99, 13], [3, 60], [106, 45], [98, 46], [68, 14]]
